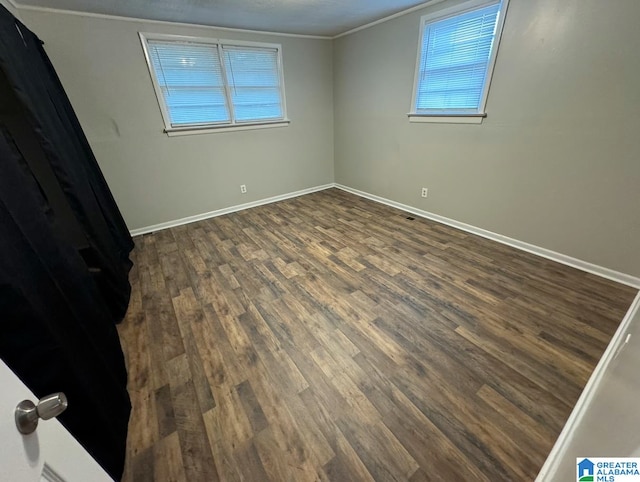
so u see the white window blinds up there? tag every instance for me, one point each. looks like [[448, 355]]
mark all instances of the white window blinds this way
[[254, 82], [203, 84], [454, 61]]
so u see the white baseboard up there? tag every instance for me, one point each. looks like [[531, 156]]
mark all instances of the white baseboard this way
[[613, 275], [551, 465], [223, 211], [555, 457]]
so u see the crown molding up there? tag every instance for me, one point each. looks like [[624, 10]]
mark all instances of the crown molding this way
[[415, 8], [34, 8]]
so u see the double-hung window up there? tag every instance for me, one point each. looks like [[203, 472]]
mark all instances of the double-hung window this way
[[456, 54], [207, 84]]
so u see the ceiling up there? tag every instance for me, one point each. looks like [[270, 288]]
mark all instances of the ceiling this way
[[310, 17]]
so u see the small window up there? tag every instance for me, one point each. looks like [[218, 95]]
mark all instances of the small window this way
[[202, 83], [456, 57]]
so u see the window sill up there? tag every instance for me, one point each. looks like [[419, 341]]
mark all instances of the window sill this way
[[189, 131], [448, 118]]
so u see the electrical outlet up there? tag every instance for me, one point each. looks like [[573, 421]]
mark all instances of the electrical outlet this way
[[424, 191], [243, 188]]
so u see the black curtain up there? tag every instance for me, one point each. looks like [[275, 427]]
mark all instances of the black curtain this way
[[64, 253]]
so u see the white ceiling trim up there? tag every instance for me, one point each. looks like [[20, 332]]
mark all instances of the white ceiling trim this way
[[20, 6], [428, 3], [104, 16]]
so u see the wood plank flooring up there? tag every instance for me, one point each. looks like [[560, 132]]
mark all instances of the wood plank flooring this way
[[330, 338]]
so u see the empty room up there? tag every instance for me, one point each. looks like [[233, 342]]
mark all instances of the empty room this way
[[376, 240]]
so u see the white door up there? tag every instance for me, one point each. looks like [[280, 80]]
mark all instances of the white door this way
[[49, 454]]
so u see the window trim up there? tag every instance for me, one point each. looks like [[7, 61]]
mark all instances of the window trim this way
[[233, 125], [452, 116]]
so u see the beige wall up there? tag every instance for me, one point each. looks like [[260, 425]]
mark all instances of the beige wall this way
[[556, 162], [155, 178]]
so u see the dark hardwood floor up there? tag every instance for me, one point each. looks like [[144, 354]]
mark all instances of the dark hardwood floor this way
[[327, 337]]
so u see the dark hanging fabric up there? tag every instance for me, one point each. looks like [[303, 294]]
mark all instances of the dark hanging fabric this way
[[60, 293], [56, 332], [34, 80]]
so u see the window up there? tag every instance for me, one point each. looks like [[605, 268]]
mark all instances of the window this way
[[455, 60], [208, 84]]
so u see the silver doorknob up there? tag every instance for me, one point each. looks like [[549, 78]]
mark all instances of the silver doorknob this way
[[28, 414]]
